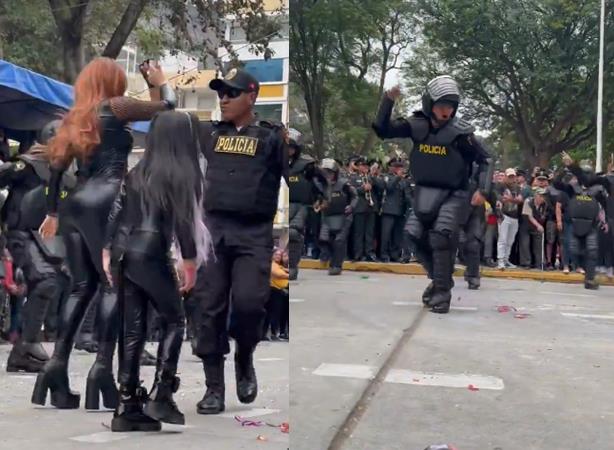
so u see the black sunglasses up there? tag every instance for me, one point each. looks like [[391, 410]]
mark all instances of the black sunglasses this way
[[230, 92]]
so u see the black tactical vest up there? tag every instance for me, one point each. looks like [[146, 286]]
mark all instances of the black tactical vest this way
[[584, 210], [435, 160], [338, 200], [244, 168], [301, 189]]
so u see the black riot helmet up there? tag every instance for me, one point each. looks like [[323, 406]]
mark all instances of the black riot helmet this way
[[295, 142], [442, 89], [44, 135]]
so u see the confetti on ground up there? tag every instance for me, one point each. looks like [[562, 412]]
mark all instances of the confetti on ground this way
[[505, 309], [472, 388], [261, 438], [522, 315]]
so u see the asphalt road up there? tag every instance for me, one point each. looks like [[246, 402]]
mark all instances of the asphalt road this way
[[518, 365], [24, 426]]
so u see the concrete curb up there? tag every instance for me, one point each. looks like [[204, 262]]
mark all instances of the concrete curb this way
[[416, 269]]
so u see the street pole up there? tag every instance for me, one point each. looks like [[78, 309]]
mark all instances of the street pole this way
[[598, 167]]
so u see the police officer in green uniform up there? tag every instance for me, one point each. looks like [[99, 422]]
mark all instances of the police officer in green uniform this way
[[336, 216], [363, 228], [246, 160], [306, 186], [46, 277]]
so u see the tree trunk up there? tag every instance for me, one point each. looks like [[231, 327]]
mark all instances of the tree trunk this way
[[125, 27], [73, 58]]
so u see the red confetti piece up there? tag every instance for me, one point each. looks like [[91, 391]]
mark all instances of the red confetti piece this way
[[248, 423], [522, 315], [505, 309], [285, 427], [472, 388]]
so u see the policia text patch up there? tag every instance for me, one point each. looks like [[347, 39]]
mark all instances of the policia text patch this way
[[240, 145]]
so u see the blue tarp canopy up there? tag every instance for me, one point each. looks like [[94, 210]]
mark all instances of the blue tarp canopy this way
[[29, 100]]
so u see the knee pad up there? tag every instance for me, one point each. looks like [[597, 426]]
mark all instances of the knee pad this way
[[439, 241]]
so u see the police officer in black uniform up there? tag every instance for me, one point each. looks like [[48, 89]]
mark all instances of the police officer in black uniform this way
[[336, 216], [246, 160], [587, 199], [363, 235], [306, 186], [472, 235], [46, 277], [393, 208], [444, 149]]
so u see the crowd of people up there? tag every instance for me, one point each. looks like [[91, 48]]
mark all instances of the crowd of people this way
[[98, 255]]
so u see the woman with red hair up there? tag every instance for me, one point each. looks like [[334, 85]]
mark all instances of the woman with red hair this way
[[96, 135]]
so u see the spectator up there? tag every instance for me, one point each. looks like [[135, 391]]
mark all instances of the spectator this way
[[279, 295], [535, 211], [508, 199]]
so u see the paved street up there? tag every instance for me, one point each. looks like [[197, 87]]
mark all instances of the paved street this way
[[518, 365], [26, 427]]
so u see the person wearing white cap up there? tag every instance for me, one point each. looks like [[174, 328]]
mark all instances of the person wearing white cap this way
[[508, 199]]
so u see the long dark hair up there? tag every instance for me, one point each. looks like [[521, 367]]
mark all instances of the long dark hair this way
[[171, 175]]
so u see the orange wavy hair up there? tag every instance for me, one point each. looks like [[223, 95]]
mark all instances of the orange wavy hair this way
[[101, 79]]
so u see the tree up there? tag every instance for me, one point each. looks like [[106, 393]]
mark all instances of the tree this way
[[531, 64], [311, 44]]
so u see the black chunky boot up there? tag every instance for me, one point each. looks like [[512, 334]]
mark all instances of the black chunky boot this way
[[129, 415], [100, 380], [213, 401], [247, 384], [440, 302], [54, 377], [160, 404], [27, 357], [591, 284]]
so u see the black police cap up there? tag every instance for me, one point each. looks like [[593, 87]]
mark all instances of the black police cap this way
[[237, 79]]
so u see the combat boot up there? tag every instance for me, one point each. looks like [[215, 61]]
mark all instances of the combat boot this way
[[427, 294], [129, 415], [591, 284], [213, 401], [440, 301], [161, 405], [293, 274], [27, 357], [334, 271], [247, 384], [473, 283]]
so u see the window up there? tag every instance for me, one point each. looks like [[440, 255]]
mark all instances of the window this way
[[272, 112], [266, 71]]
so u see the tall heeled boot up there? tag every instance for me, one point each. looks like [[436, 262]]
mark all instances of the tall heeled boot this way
[[100, 379], [213, 400], [54, 378], [129, 415]]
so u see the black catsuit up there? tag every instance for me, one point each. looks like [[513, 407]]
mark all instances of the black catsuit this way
[[140, 244], [82, 223]]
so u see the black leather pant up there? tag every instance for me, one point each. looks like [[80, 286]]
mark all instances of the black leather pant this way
[[471, 238], [586, 249], [142, 282], [86, 282]]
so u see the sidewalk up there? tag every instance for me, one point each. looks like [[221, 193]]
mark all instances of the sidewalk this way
[[416, 269]]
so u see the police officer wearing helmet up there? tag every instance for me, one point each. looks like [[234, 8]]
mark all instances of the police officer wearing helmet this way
[[306, 184], [41, 261], [336, 216], [588, 200], [246, 160], [444, 149]]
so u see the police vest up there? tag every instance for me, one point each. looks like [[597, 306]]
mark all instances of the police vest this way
[[584, 205], [338, 200], [301, 189], [435, 160], [244, 168]]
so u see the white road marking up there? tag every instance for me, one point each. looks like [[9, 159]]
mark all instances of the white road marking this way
[[458, 308], [270, 359], [444, 379], [248, 413], [102, 437], [346, 371], [297, 300], [401, 376], [565, 294], [588, 316]]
